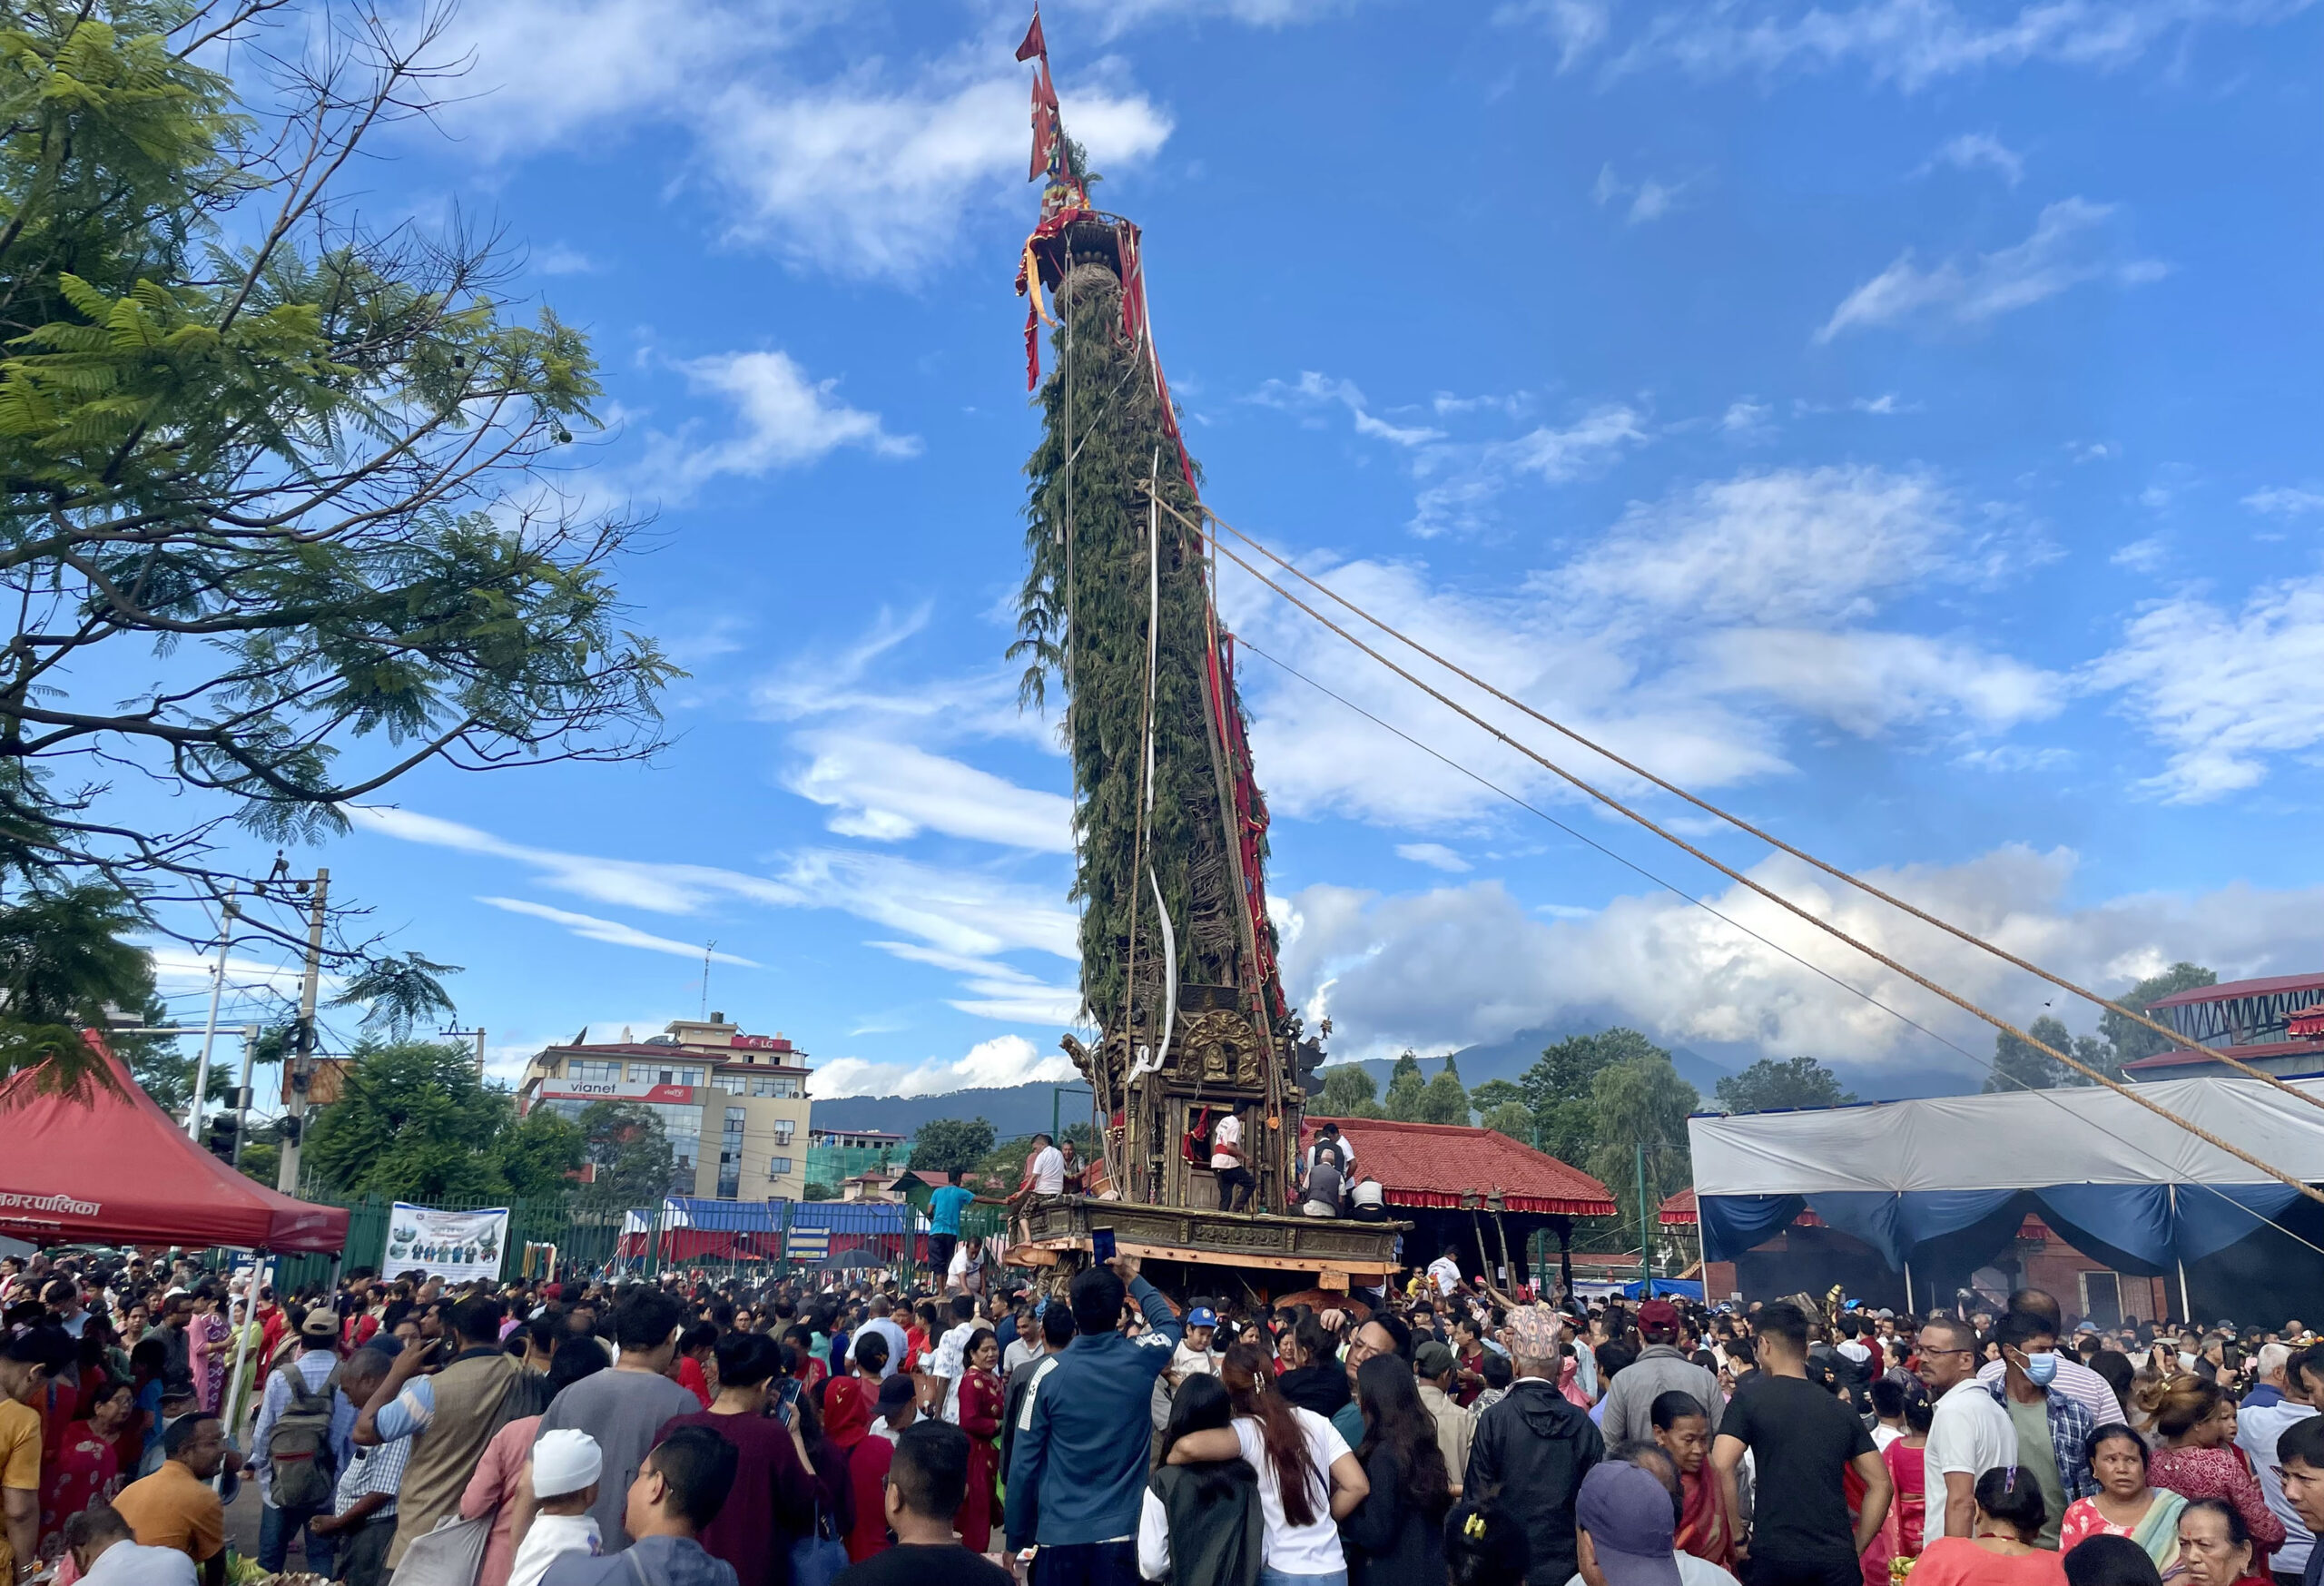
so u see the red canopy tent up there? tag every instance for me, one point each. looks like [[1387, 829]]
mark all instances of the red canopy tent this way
[[113, 1169]]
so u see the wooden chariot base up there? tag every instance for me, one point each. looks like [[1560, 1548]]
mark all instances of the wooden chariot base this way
[[1197, 1250]]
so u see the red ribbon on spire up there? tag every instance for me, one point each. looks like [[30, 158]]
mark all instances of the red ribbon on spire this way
[[1034, 45]]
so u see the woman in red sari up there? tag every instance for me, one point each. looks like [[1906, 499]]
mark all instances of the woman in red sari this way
[[2198, 1458], [87, 1466], [1683, 1429], [850, 1402], [981, 1407]]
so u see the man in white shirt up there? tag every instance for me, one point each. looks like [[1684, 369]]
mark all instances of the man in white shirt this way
[[2295, 1379], [950, 1364], [1444, 1272], [1970, 1434], [104, 1550], [1236, 1183]]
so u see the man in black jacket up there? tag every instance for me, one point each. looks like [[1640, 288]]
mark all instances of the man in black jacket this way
[[1534, 1447]]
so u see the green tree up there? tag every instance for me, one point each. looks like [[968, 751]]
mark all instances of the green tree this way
[[538, 1154], [1513, 1118], [1443, 1100], [1641, 1101], [1766, 1085], [2020, 1067], [280, 458], [943, 1144], [631, 1160], [1407, 1088], [1484, 1098], [818, 1190], [65, 959], [1558, 1088], [2130, 1041], [397, 992], [1349, 1091], [262, 1162], [412, 1122]]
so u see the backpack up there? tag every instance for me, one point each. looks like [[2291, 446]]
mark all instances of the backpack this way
[[298, 1446]]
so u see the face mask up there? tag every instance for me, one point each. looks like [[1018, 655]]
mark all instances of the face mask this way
[[2040, 1368]]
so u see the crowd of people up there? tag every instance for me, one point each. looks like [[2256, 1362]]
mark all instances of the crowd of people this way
[[1090, 1430]]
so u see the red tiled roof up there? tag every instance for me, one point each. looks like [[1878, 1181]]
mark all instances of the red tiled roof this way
[[698, 1056], [1434, 1165], [2180, 1057], [1680, 1208]]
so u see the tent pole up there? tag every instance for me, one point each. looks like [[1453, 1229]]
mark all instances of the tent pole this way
[[2186, 1311], [261, 1265], [1908, 1288]]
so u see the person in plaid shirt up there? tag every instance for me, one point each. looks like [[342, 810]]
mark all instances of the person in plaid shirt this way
[[2052, 1429], [362, 1520]]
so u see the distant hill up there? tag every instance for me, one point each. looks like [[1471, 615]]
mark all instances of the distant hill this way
[[1020, 1109]]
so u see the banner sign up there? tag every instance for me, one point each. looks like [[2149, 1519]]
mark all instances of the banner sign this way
[[453, 1245], [808, 1244], [615, 1090]]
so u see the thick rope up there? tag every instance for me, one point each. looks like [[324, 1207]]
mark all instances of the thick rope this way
[[2174, 1037], [1737, 876]]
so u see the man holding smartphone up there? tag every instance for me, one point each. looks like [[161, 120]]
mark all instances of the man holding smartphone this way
[[1075, 1482]]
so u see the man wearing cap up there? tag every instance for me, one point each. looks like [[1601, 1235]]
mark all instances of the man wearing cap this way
[[1434, 1365], [1535, 1447], [316, 1374], [1660, 1368], [1626, 1526]]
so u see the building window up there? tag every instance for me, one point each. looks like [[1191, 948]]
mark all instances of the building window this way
[[662, 1074], [782, 1130], [600, 1073], [778, 1166], [730, 1154], [730, 1083], [782, 1085]]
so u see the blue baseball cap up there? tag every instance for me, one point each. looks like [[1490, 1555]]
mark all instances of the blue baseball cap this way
[[1202, 1316]]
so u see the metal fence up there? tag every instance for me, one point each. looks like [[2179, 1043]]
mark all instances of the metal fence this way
[[749, 1238]]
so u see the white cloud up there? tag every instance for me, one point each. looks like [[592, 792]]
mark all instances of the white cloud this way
[[1869, 682], [1651, 199], [825, 172], [2066, 248], [1664, 638], [1004, 1061], [1579, 26], [2222, 690], [1313, 389], [963, 913], [842, 681], [1885, 405], [2286, 501], [1971, 151], [1435, 855], [558, 259], [1779, 546], [1472, 476], [1460, 964], [2143, 555], [784, 421], [1916, 42], [888, 790], [818, 170], [613, 932]]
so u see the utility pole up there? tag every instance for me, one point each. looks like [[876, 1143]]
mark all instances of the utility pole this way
[[302, 1056], [243, 1092], [210, 1029], [1645, 1243]]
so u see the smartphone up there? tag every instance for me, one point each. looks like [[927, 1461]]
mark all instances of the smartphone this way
[[1102, 1244]]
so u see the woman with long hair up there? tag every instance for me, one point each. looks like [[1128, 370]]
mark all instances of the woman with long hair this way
[[1484, 1545], [1202, 1523], [1683, 1432], [1309, 1478], [2126, 1503], [2198, 1458], [980, 1404], [1312, 1378], [1999, 1549], [1396, 1535], [1903, 1528]]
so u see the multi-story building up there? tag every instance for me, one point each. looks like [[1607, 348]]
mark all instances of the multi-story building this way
[[735, 1105]]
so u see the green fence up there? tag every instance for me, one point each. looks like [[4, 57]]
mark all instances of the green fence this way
[[583, 1240]]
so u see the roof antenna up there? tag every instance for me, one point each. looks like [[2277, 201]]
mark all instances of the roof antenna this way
[[707, 948]]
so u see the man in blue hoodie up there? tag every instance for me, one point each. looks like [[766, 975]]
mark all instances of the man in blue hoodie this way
[[1076, 1472]]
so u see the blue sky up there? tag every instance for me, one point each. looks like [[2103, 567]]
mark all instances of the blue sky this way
[[1896, 421]]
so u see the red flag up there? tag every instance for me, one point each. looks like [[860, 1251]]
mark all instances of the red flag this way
[[1034, 45], [1049, 141]]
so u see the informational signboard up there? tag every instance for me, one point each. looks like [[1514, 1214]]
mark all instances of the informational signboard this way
[[453, 1245], [807, 1244], [615, 1090]]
